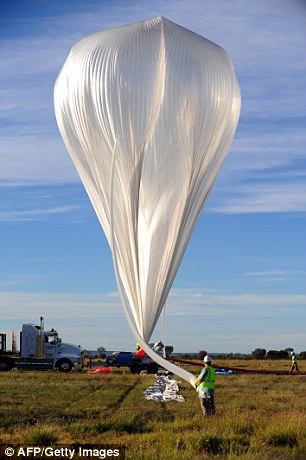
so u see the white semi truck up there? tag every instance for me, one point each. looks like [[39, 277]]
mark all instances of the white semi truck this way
[[39, 349]]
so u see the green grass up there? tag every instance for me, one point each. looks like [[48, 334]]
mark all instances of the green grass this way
[[258, 416]]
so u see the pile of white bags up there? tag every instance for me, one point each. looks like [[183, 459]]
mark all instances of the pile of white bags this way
[[164, 389]]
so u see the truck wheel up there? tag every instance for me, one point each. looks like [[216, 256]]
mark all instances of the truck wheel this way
[[5, 364], [135, 368], [64, 365], [152, 368]]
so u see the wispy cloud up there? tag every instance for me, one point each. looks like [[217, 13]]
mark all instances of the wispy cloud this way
[[94, 319], [34, 215], [264, 198], [277, 276], [28, 204], [265, 172], [208, 303], [88, 319]]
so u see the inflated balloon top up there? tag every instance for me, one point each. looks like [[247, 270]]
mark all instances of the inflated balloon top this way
[[148, 112]]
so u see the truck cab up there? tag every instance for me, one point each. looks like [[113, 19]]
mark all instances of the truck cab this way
[[38, 343], [40, 349]]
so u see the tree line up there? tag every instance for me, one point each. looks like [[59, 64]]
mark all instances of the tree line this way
[[258, 353], [261, 353]]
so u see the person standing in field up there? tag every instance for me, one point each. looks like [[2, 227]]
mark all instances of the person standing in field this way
[[205, 384], [294, 364], [140, 353]]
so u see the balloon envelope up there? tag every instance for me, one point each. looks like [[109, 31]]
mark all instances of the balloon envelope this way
[[148, 112]]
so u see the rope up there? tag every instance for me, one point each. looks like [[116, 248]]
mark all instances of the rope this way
[[238, 369]]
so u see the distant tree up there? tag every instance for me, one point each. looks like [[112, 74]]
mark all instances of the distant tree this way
[[302, 355], [275, 354], [259, 353], [101, 350], [283, 354], [201, 354], [235, 356], [169, 349], [289, 350], [272, 354]]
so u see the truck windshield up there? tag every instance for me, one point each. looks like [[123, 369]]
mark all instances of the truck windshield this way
[[52, 339]]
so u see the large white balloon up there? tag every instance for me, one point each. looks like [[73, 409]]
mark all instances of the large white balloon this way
[[147, 112]]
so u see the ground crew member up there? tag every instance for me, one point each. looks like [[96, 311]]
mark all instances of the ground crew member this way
[[140, 353], [205, 384], [294, 364]]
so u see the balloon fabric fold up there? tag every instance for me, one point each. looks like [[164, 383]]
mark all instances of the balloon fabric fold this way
[[148, 112]]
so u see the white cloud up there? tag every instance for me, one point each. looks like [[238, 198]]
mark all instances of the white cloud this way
[[34, 215], [264, 198], [209, 303], [34, 159], [88, 319], [271, 274]]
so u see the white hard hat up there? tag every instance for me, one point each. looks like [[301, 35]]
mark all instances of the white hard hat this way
[[207, 359], [292, 353]]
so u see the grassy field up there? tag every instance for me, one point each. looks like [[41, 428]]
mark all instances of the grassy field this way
[[258, 416]]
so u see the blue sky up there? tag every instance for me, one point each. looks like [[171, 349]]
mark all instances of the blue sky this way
[[241, 284]]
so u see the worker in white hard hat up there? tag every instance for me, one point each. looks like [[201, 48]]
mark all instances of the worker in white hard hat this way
[[205, 384], [294, 364]]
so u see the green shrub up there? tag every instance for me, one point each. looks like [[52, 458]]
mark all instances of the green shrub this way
[[282, 439], [130, 425], [42, 437], [238, 444], [217, 445], [214, 445], [180, 444]]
